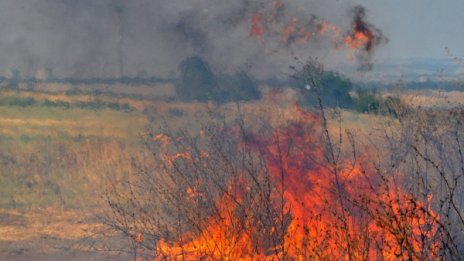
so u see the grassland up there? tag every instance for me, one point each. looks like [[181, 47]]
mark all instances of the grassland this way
[[58, 150]]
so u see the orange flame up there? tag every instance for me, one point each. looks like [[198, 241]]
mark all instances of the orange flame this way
[[358, 41], [364, 219], [276, 26]]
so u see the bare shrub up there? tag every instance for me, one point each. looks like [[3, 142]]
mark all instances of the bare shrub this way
[[297, 191]]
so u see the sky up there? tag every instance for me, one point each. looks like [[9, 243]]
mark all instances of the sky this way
[[419, 28], [111, 38]]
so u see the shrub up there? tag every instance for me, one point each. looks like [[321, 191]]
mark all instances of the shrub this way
[[196, 81], [238, 87], [17, 101], [366, 101], [176, 112], [333, 89], [369, 101], [56, 103]]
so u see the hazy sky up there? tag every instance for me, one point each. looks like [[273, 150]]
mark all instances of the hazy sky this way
[[419, 28], [108, 38]]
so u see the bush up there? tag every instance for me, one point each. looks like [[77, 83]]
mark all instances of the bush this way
[[196, 81], [236, 88], [333, 89], [57, 103], [366, 101], [369, 101], [176, 112]]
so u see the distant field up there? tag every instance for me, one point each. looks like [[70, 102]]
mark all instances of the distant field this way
[[49, 139], [431, 98], [148, 91]]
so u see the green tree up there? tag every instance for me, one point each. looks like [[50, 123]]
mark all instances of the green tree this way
[[333, 89]]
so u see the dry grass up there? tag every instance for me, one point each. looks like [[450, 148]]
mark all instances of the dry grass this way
[[43, 122], [58, 159], [46, 222], [433, 98]]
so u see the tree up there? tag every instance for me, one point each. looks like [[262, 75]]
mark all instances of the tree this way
[[238, 87], [333, 89], [196, 81], [367, 101]]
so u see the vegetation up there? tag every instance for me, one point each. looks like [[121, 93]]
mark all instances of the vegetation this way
[[17, 101], [334, 89], [46, 151], [62, 149], [95, 104], [443, 85], [197, 82], [298, 190], [370, 101], [238, 87]]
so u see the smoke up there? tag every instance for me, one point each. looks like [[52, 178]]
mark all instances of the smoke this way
[[278, 28], [111, 38], [364, 37]]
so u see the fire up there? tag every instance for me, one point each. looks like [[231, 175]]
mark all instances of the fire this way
[[358, 41], [222, 239], [363, 36], [275, 25], [314, 211], [289, 30], [257, 29]]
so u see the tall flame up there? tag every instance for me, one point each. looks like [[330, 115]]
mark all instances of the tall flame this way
[[343, 212]]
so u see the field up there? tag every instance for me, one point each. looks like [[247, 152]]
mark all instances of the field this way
[[59, 149]]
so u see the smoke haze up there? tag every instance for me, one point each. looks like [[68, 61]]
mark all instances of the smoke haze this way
[[111, 38]]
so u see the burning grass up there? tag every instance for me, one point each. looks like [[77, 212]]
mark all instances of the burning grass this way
[[263, 186], [288, 192]]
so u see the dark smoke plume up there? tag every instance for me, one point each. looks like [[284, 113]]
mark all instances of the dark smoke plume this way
[[365, 37]]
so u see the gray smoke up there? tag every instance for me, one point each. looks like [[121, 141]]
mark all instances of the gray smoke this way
[[110, 38]]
